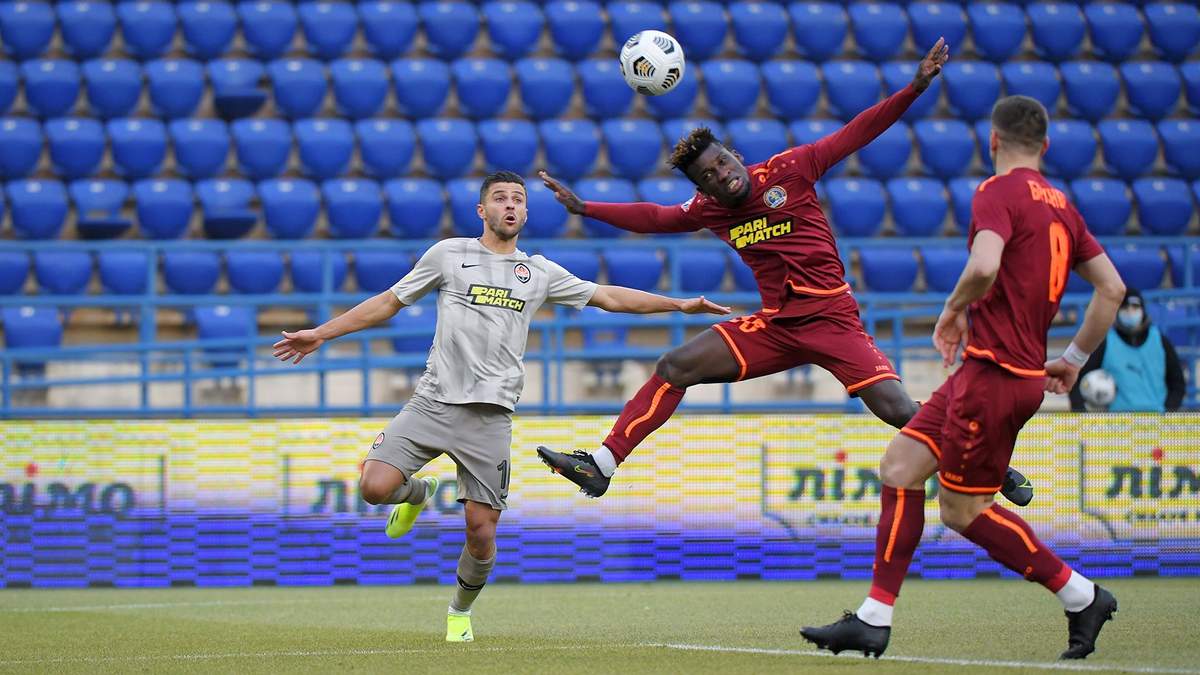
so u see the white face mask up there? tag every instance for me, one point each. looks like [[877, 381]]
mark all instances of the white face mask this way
[[1130, 318]]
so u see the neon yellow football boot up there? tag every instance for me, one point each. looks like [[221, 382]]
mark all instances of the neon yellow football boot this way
[[458, 628], [404, 515]]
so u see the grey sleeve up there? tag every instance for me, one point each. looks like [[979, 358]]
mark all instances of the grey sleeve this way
[[566, 288], [425, 276]]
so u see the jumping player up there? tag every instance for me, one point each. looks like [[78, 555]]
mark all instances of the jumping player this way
[[489, 292], [769, 213], [1024, 239]]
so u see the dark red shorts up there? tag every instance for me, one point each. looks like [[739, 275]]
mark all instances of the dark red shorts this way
[[765, 343], [971, 423]]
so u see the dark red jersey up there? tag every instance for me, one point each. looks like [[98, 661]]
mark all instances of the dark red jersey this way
[[1045, 237], [780, 231]]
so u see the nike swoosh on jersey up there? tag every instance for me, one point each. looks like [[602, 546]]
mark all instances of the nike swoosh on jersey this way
[[465, 265]]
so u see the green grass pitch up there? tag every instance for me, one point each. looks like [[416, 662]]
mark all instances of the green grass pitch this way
[[742, 627]]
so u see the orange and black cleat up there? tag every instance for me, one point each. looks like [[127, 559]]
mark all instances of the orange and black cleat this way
[[577, 467]]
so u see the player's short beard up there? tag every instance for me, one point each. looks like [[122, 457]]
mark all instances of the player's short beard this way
[[496, 228]]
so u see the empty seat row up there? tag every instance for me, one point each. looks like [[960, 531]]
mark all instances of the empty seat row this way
[[451, 27]]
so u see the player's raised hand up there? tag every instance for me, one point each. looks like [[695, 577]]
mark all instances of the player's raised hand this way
[[562, 193], [297, 345], [949, 334], [702, 305], [1060, 376], [931, 65]]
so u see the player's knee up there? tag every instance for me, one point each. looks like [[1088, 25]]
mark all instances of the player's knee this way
[[481, 539], [955, 516], [373, 490], [898, 411], [672, 368]]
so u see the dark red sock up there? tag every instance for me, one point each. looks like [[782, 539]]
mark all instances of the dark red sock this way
[[901, 521], [1010, 542], [653, 405]]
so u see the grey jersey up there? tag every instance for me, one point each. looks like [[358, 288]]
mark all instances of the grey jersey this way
[[486, 303]]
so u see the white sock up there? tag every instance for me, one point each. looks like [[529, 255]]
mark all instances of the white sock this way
[[875, 613], [1078, 593], [455, 612], [605, 461]]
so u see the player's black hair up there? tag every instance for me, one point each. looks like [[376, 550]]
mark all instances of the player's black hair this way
[[691, 146], [498, 177], [1021, 121]]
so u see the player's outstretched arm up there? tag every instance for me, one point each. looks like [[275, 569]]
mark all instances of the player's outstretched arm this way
[[632, 301], [977, 277], [365, 314], [641, 217], [1102, 310]]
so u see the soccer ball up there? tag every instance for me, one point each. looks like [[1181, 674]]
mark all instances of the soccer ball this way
[[1098, 389], [652, 62]]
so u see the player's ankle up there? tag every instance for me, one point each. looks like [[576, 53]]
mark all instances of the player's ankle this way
[[875, 613], [605, 461]]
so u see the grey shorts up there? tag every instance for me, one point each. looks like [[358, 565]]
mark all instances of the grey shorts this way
[[477, 436]]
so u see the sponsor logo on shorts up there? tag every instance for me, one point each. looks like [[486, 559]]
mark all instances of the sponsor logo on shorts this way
[[495, 296], [378, 441], [775, 197], [522, 272], [758, 230]]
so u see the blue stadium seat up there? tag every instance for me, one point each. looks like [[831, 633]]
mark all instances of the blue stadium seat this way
[[888, 270], [857, 206], [299, 86], [175, 86], [62, 272], [1104, 204], [805, 132], [675, 129], [33, 328], [329, 27], [604, 190], [983, 139], [603, 331], [1190, 72], [1092, 88], [290, 207], [148, 27], [997, 29], [448, 146], [26, 28], [463, 195], [164, 207], [263, 146], [1116, 29], [1036, 79], [268, 27], [887, 155], [86, 27], [627, 17], [571, 147], [943, 266], [421, 86], [388, 27], [482, 85], [514, 27], [936, 19], [308, 270], [962, 190], [376, 271], [22, 143], [1180, 138], [325, 146], [354, 207], [1141, 267], [732, 87], [38, 208], [1072, 148], [98, 205], [14, 270], [225, 203], [254, 272], [547, 218], [743, 276], [898, 75], [666, 191], [634, 147], [793, 87], [201, 146], [879, 29], [850, 86], [759, 28], [757, 139], [51, 86], [76, 145], [9, 83], [360, 86], [639, 268], [421, 317], [113, 86], [576, 27], [122, 272], [190, 272], [701, 270], [605, 93], [679, 101], [1057, 29], [583, 263], [546, 87], [508, 144], [819, 29], [918, 206], [1152, 88], [972, 87], [1130, 146], [1174, 29], [235, 86], [386, 145], [224, 322], [208, 27], [450, 27], [1175, 254], [1164, 206], [699, 26], [138, 145], [946, 146]]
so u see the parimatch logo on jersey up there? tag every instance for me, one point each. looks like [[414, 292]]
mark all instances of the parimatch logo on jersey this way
[[759, 229], [494, 296]]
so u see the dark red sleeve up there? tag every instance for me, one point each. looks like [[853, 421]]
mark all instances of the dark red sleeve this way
[[643, 217], [816, 158], [989, 210]]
